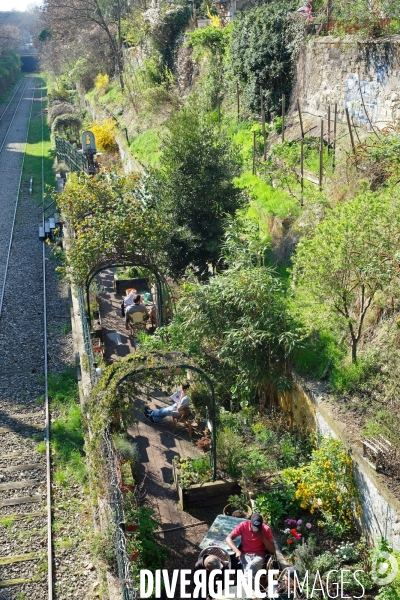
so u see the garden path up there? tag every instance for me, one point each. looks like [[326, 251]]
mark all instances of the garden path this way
[[180, 530]]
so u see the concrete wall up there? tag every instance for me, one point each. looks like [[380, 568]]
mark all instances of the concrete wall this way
[[307, 406], [362, 76]]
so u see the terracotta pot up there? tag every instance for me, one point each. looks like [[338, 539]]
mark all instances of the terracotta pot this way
[[134, 556], [230, 508]]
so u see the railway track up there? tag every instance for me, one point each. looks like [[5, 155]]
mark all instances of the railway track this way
[[25, 515]]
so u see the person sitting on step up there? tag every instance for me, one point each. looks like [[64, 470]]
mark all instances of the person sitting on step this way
[[180, 404]]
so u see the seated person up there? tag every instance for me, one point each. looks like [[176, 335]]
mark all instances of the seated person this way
[[180, 404], [256, 540], [136, 306], [129, 298], [209, 563]]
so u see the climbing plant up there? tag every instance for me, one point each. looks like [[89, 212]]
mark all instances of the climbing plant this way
[[111, 223]]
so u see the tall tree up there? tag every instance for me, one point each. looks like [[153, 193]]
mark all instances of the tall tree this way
[[65, 17], [195, 189], [353, 254]]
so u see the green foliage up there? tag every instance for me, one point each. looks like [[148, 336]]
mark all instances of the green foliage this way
[[63, 388], [305, 555], [125, 449], [239, 502], [359, 17], [265, 199], [152, 554], [229, 452], [195, 189], [193, 471], [349, 258], [211, 39], [200, 397], [261, 52], [108, 216], [239, 320], [67, 440], [278, 124], [147, 147], [347, 553], [325, 562], [347, 378], [255, 463], [278, 503]]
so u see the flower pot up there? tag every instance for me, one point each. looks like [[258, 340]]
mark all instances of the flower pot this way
[[134, 556], [131, 528], [231, 511]]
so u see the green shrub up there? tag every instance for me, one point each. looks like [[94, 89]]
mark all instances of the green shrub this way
[[229, 452], [278, 503]]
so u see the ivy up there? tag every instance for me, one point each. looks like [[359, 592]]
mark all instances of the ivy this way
[[263, 44]]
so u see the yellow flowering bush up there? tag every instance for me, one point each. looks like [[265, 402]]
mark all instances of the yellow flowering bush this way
[[101, 82], [104, 134], [327, 483]]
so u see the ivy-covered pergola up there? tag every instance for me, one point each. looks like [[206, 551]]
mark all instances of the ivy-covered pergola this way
[[121, 380], [164, 301]]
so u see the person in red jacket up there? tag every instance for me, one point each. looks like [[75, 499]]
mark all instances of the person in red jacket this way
[[257, 539]]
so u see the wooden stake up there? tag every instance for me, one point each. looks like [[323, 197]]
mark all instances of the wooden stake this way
[[329, 126], [254, 152], [283, 117], [263, 122], [238, 99], [334, 137], [350, 131], [321, 155], [300, 118], [302, 168]]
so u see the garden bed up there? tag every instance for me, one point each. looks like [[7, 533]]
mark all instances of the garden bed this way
[[204, 494]]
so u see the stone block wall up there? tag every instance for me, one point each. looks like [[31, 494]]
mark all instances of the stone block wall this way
[[362, 76]]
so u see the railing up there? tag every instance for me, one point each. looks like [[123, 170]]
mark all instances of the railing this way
[[115, 501], [69, 155], [86, 337]]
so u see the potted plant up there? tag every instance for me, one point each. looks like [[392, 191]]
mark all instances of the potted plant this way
[[238, 507]]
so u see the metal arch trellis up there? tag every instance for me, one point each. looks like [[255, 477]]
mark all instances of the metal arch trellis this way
[[176, 360], [164, 300]]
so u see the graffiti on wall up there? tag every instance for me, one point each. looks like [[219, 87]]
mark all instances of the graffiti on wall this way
[[354, 102]]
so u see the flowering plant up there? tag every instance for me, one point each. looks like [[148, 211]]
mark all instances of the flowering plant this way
[[295, 531]]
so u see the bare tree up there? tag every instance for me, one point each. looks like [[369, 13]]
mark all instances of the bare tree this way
[[64, 17]]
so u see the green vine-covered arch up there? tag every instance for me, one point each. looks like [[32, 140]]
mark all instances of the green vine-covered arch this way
[[119, 381], [164, 299]]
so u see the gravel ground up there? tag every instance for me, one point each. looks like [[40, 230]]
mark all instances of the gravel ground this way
[[22, 388]]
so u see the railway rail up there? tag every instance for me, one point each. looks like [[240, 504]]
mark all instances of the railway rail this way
[[25, 502]]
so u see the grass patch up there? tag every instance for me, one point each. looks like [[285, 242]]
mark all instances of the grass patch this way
[[8, 521], [63, 388], [317, 355], [41, 448], [34, 148], [146, 147], [67, 440], [348, 377]]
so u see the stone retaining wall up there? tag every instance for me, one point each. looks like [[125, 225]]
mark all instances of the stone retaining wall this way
[[362, 76]]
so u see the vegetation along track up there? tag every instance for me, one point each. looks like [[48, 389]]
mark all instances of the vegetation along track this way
[[25, 538]]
